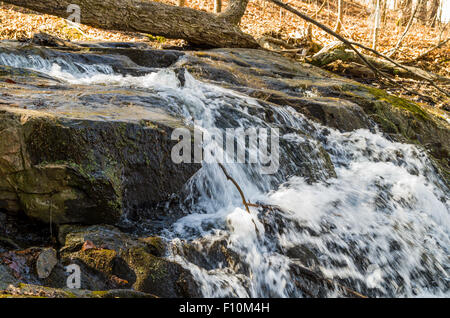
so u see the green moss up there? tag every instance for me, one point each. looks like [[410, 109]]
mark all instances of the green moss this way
[[148, 265], [20, 296], [99, 259], [99, 293], [398, 102], [153, 38], [155, 245], [69, 294], [386, 125]]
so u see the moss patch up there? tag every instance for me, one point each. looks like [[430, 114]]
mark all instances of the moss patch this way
[[399, 102]]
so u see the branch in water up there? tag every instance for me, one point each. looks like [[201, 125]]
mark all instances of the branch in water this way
[[229, 178]]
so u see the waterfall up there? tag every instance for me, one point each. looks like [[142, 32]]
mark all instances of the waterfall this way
[[378, 224]]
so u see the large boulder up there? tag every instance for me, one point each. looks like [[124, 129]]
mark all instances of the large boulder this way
[[63, 169]]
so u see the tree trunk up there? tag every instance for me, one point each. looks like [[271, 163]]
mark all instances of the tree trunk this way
[[433, 13], [234, 12], [383, 12], [217, 6], [422, 13], [376, 25], [197, 27], [406, 7], [338, 27]]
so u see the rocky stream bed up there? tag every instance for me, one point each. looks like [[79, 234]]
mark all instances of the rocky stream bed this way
[[86, 178]]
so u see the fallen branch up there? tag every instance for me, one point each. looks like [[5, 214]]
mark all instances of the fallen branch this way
[[421, 56], [229, 178], [328, 30], [351, 44], [429, 80], [265, 40], [156, 18]]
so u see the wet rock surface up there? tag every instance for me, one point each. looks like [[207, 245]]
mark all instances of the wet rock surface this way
[[64, 170], [75, 160], [111, 264], [331, 100]]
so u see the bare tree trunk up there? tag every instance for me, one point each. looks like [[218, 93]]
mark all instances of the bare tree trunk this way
[[433, 12], [217, 6], [197, 27], [383, 11], [406, 7], [234, 12], [338, 27], [422, 12], [376, 25]]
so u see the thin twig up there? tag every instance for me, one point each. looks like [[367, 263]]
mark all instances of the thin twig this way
[[229, 178], [309, 28], [437, 46], [402, 67]]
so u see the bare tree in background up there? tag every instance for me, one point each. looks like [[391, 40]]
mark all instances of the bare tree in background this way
[[383, 11], [406, 12], [217, 6], [376, 24], [422, 12], [433, 12], [340, 15]]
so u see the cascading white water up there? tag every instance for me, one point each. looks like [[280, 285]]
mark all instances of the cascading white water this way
[[382, 225], [55, 67]]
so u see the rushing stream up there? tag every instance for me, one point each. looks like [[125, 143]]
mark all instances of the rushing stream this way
[[378, 224]]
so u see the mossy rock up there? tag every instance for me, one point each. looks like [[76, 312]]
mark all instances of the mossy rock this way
[[36, 291], [159, 276], [64, 170], [135, 262]]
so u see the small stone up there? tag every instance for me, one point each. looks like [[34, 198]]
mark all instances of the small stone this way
[[45, 263]]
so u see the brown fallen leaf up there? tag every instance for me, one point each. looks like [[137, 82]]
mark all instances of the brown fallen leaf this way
[[119, 281], [88, 245]]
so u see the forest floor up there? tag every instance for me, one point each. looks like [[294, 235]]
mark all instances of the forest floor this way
[[263, 18]]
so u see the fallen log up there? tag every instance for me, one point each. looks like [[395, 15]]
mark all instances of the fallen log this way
[[351, 45], [197, 27], [339, 51]]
